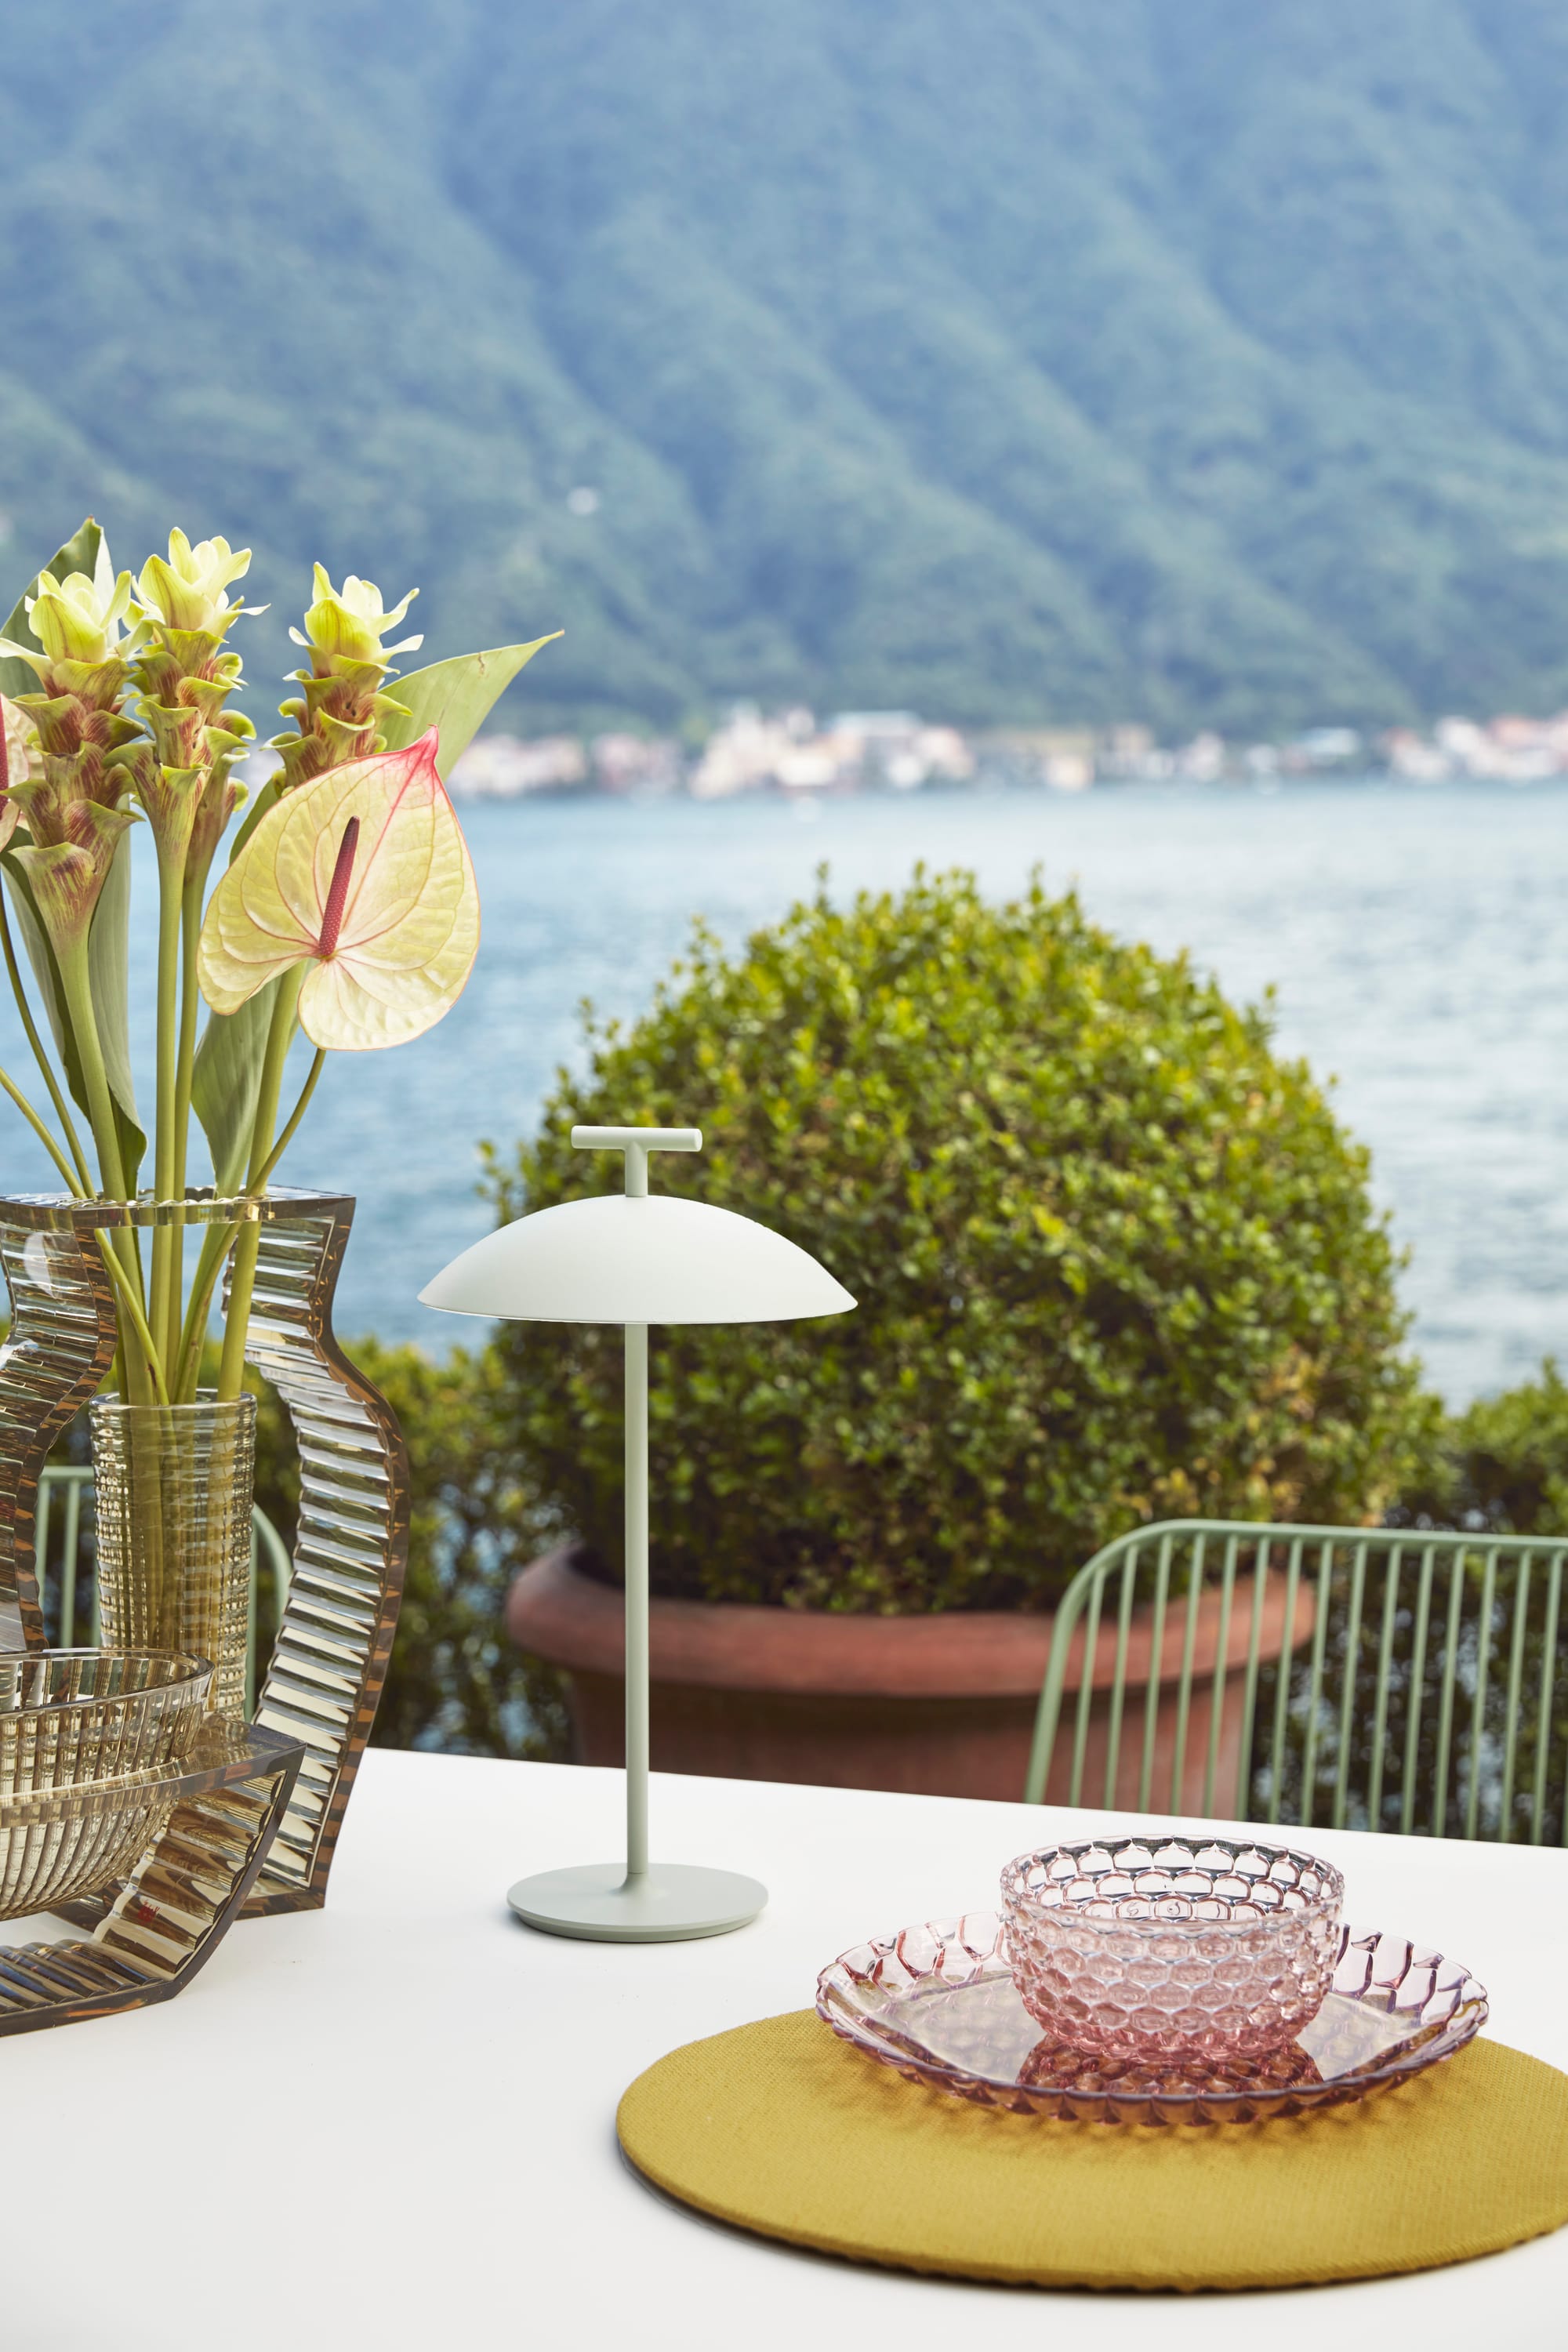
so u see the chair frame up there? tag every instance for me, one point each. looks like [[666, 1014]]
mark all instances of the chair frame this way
[[1214, 1550]]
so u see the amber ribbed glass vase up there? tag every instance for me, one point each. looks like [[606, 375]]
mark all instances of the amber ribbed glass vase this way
[[174, 1485], [155, 1484]]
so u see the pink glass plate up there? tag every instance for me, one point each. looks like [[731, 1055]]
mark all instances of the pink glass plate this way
[[938, 2002]]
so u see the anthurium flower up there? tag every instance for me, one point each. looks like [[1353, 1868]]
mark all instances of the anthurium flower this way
[[188, 589], [363, 876], [354, 621]]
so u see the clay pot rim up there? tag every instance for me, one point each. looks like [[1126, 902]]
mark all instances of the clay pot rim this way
[[574, 1622]]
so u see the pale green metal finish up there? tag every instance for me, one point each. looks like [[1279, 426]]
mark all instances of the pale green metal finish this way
[[68, 1484], [639, 1902], [1421, 1687]]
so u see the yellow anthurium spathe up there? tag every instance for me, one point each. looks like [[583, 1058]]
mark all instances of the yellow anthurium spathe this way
[[365, 877]]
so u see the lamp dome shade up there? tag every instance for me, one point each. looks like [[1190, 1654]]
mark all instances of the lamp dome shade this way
[[615, 1259]]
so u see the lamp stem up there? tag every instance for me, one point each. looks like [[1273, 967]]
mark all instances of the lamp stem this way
[[637, 1662]]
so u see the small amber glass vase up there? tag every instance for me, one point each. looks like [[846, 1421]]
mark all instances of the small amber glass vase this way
[[174, 1487]]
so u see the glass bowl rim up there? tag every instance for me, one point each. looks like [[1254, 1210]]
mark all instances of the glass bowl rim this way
[[194, 1677], [1020, 1901]]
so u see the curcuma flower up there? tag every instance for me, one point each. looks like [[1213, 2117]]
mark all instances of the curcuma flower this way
[[354, 622], [68, 873], [75, 620], [363, 876], [187, 589]]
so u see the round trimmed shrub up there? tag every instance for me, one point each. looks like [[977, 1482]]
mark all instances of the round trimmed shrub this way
[[1115, 1262]]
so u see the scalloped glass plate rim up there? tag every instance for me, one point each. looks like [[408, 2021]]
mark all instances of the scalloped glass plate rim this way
[[978, 1934]]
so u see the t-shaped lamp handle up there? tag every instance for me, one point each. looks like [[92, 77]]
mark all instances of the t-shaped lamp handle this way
[[636, 1142]]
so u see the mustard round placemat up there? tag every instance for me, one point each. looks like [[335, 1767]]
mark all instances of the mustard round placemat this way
[[782, 2128]]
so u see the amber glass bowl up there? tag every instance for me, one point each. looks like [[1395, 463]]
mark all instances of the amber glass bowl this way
[[91, 1743], [73, 1716], [1169, 1950]]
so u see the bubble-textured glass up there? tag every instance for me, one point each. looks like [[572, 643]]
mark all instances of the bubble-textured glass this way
[[1160, 1950], [938, 2003]]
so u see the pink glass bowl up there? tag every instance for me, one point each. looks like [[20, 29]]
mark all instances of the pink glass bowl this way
[[1166, 1950]]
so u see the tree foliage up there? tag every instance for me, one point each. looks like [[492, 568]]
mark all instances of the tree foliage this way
[[1115, 1262], [1176, 363]]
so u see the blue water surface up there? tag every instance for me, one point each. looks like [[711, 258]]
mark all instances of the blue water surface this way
[[1414, 940]]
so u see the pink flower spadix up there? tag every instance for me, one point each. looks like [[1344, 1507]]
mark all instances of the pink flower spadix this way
[[365, 877]]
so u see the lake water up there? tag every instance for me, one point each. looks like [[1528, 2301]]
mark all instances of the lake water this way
[[1414, 939]]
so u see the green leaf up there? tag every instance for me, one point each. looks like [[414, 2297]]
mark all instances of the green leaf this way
[[454, 696], [46, 971], [226, 1080], [106, 971], [85, 553]]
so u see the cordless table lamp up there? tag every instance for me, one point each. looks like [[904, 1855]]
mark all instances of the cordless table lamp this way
[[636, 1258]]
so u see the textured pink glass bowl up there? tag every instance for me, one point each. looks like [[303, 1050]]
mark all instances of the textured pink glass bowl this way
[[1166, 1949]]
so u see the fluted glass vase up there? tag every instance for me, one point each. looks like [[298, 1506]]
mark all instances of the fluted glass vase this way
[[174, 1486], [350, 1543]]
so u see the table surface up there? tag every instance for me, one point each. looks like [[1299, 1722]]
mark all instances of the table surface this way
[[391, 2123]]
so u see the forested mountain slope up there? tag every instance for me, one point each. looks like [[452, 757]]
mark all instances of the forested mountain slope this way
[[1046, 359]]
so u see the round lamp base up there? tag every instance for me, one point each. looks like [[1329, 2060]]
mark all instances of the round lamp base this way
[[671, 1904]]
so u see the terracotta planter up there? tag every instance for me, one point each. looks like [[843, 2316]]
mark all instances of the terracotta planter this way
[[942, 1705]]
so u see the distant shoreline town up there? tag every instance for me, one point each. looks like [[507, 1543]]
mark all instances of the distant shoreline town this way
[[793, 753]]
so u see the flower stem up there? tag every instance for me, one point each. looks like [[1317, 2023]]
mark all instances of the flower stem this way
[[190, 1007], [131, 1302], [77, 988], [217, 1243], [83, 1180], [295, 1116], [165, 1286], [45, 1137], [280, 1036]]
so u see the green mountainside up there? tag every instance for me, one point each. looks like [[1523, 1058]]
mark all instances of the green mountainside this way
[[1050, 360]]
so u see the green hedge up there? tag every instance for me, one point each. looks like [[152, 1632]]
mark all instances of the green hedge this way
[[1502, 1465], [1115, 1259]]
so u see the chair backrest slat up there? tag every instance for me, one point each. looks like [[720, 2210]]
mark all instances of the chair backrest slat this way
[[1543, 1710], [1446, 1693], [1221, 1672], [1315, 1698], [70, 1553], [1515, 1682], [1360, 1677], [1156, 1660], [1385, 1661], [1189, 1651], [1347, 1694], [1479, 1697], [1086, 1684], [1282, 1682], [1415, 1711], [1119, 1686]]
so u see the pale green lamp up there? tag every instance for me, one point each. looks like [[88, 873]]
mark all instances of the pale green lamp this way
[[636, 1258]]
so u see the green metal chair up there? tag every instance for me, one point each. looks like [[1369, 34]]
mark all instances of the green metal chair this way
[[1387, 1678], [70, 1591]]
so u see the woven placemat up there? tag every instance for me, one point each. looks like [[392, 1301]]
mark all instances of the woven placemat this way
[[781, 2128]]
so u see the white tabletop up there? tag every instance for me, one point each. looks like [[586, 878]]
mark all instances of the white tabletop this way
[[391, 2123]]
